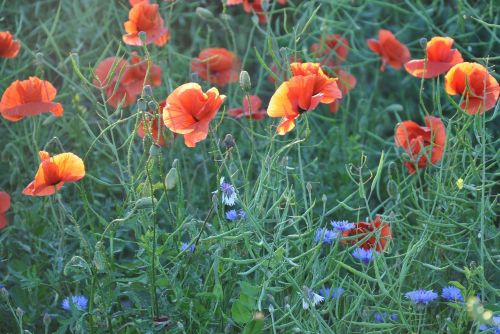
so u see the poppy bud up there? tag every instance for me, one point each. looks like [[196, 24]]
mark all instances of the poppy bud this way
[[323, 198], [143, 37], [147, 91], [39, 58], [4, 292], [228, 141], [99, 258], [141, 104], [171, 179], [204, 13], [153, 105], [225, 17], [271, 308], [154, 150], [175, 163], [265, 5], [46, 319], [309, 186], [284, 52], [245, 82], [145, 203], [19, 312], [423, 43]]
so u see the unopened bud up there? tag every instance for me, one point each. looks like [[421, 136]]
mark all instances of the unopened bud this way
[[171, 179], [4, 292], [46, 319], [265, 5], [228, 141], [215, 202], [204, 13], [154, 150], [19, 312], [324, 198], [39, 57], [143, 37], [309, 186], [145, 203], [153, 105], [271, 308], [147, 91], [423, 42], [141, 104], [245, 82]]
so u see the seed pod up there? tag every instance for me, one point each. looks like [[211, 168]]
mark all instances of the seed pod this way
[[141, 104], [423, 42]]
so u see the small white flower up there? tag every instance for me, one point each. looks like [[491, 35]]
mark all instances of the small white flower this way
[[309, 296]]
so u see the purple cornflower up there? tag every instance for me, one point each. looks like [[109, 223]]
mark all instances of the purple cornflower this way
[[342, 225], [228, 192], [185, 245], [233, 214], [421, 296], [382, 317], [452, 294], [328, 236], [364, 255], [333, 293], [495, 325], [80, 303]]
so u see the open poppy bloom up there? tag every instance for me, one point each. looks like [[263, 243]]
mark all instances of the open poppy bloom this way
[[250, 109], [421, 142], [122, 81], [4, 207], [219, 66], [332, 45], [308, 87], [478, 88], [9, 47], [54, 172], [153, 125], [189, 111], [440, 58], [255, 6], [375, 235], [346, 82], [392, 51], [29, 98], [145, 17]]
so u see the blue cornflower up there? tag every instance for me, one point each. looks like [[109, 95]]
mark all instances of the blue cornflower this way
[[228, 192], [328, 236], [342, 225], [232, 215], [185, 245], [495, 324], [242, 214], [364, 255], [382, 317], [80, 302], [421, 296], [333, 293], [452, 294]]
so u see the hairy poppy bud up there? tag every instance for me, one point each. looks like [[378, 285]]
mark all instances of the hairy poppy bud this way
[[215, 202], [423, 43], [143, 37], [245, 82], [141, 104], [324, 198], [153, 105], [39, 58], [228, 141], [171, 179], [4, 292], [204, 13], [154, 150], [147, 91], [145, 203]]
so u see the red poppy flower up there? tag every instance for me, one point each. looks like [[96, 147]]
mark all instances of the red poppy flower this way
[[4, 207], [145, 17], [54, 172], [153, 125], [219, 66], [440, 58], [189, 111], [255, 6], [392, 51], [9, 47], [478, 88], [335, 45], [249, 110], [346, 82], [127, 80], [308, 87], [28, 98], [374, 235], [416, 140]]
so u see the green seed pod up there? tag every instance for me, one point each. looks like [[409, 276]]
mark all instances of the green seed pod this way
[[145, 203], [171, 179], [245, 82]]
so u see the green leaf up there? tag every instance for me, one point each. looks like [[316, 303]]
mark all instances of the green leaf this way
[[240, 313]]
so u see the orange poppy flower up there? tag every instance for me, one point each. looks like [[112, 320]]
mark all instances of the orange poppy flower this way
[[153, 125], [249, 110], [440, 58], [378, 233], [346, 82], [478, 88], [54, 172], [189, 111], [219, 66], [9, 47], [335, 45], [4, 207], [28, 98], [416, 140], [255, 6], [308, 87], [392, 51], [145, 17], [127, 81]]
